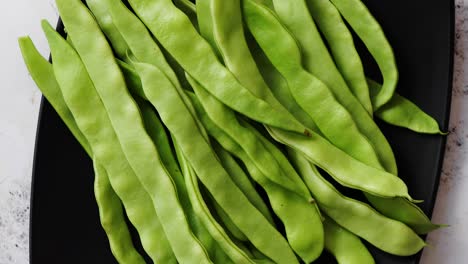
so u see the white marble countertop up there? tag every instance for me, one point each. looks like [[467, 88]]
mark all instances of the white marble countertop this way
[[19, 106]]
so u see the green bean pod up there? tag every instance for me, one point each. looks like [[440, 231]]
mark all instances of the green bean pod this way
[[189, 9], [343, 168], [112, 219], [386, 234], [332, 119], [341, 44], [92, 120], [256, 151], [123, 112], [205, 215], [141, 43], [230, 39], [157, 133], [396, 208], [205, 24], [318, 61], [100, 10], [300, 218], [43, 75], [369, 31], [242, 180], [182, 125], [346, 247], [139, 39], [278, 85], [401, 112], [227, 223], [110, 208], [196, 56]]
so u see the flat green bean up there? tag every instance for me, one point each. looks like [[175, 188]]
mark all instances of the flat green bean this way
[[368, 29], [112, 219], [401, 112], [343, 168], [319, 62], [224, 117], [201, 209], [278, 85], [92, 120], [123, 112], [386, 234], [43, 75], [141, 43], [227, 223], [139, 39], [104, 19], [395, 208], [341, 44], [300, 218], [196, 56], [398, 208], [242, 180], [233, 170], [189, 9], [200, 155], [205, 24], [230, 39], [332, 119], [110, 208], [346, 247]]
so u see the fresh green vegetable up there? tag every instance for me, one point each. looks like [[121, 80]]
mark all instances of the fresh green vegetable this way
[[205, 123]]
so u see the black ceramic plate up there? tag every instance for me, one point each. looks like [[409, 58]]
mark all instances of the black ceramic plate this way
[[64, 218]]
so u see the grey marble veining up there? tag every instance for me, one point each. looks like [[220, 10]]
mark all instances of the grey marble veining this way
[[18, 119]]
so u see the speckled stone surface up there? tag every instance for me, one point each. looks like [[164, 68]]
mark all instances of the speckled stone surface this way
[[19, 105]]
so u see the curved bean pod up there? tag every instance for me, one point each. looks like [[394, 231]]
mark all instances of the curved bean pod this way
[[227, 222], [370, 32], [158, 134], [43, 75], [278, 85], [199, 153], [242, 180], [104, 19], [225, 118], [196, 56], [92, 120], [341, 44], [229, 36], [401, 112], [110, 208], [205, 24], [346, 247], [313, 96], [386, 234], [189, 9], [397, 208], [201, 209], [139, 39], [112, 219], [123, 112], [232, 146], [141, 43], [321, 65], [300, 218], [343, 168]]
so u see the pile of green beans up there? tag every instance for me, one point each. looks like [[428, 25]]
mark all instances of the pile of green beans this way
[[211, 124]]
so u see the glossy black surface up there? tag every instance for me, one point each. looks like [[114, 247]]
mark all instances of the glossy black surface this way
[[64, 218]]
